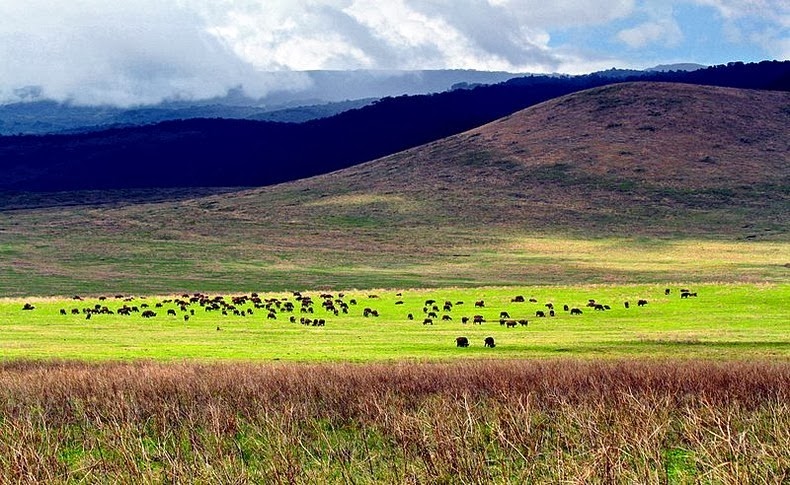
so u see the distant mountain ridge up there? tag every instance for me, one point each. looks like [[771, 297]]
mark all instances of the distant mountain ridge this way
[[326, 93], [222, 153], [329, 93], [49, 117]]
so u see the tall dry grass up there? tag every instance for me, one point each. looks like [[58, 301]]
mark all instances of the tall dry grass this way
[[471, 422]]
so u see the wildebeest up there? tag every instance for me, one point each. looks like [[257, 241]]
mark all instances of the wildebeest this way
[[478, 319], [549, 305], [504, 315], [641, 303], [464, 320], [627, 305], [489, 342], [186, 318], [667, 291], [510, 323], [446, 318], [427, 321], [540, 314], [565, 307], [62, 311], [433, 315], [148, 314], [599, 307], [410, 316], [523, 322], [171, 313], [480, 304], [576, 311], [533, 300], [551, 313], [517, 299], [28, 306], [461, 342]]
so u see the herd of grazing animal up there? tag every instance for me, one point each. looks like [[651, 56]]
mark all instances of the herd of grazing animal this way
[[246, 306], [431, 309]]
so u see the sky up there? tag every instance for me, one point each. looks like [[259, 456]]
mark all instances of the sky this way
[[132, 52]]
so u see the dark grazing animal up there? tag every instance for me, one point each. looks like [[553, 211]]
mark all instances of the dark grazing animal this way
[[576, 311], [461, 342], [489, 342]]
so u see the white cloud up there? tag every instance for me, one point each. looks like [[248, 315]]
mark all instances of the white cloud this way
[[402, 34], [142, 51], [89, 52], [764, 23], [665, 31]]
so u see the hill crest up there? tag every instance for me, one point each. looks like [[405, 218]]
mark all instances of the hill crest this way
[[623, 154]]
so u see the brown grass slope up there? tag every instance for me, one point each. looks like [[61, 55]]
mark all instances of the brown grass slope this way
[[647, 162], [639, 158]]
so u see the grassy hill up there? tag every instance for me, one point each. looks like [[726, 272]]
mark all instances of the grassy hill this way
[[631, 183]]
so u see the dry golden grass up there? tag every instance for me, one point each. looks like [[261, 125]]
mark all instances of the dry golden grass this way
[[472, 422]]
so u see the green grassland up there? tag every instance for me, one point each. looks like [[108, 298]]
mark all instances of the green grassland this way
[[726, 321]]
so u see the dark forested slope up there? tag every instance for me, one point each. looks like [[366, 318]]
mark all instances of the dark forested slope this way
[[223, 153]]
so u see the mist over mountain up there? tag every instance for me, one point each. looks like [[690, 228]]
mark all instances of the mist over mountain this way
[[49, 117], [222, 153], [321, 94]]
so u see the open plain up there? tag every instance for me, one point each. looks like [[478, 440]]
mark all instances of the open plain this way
[[317, 331]]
